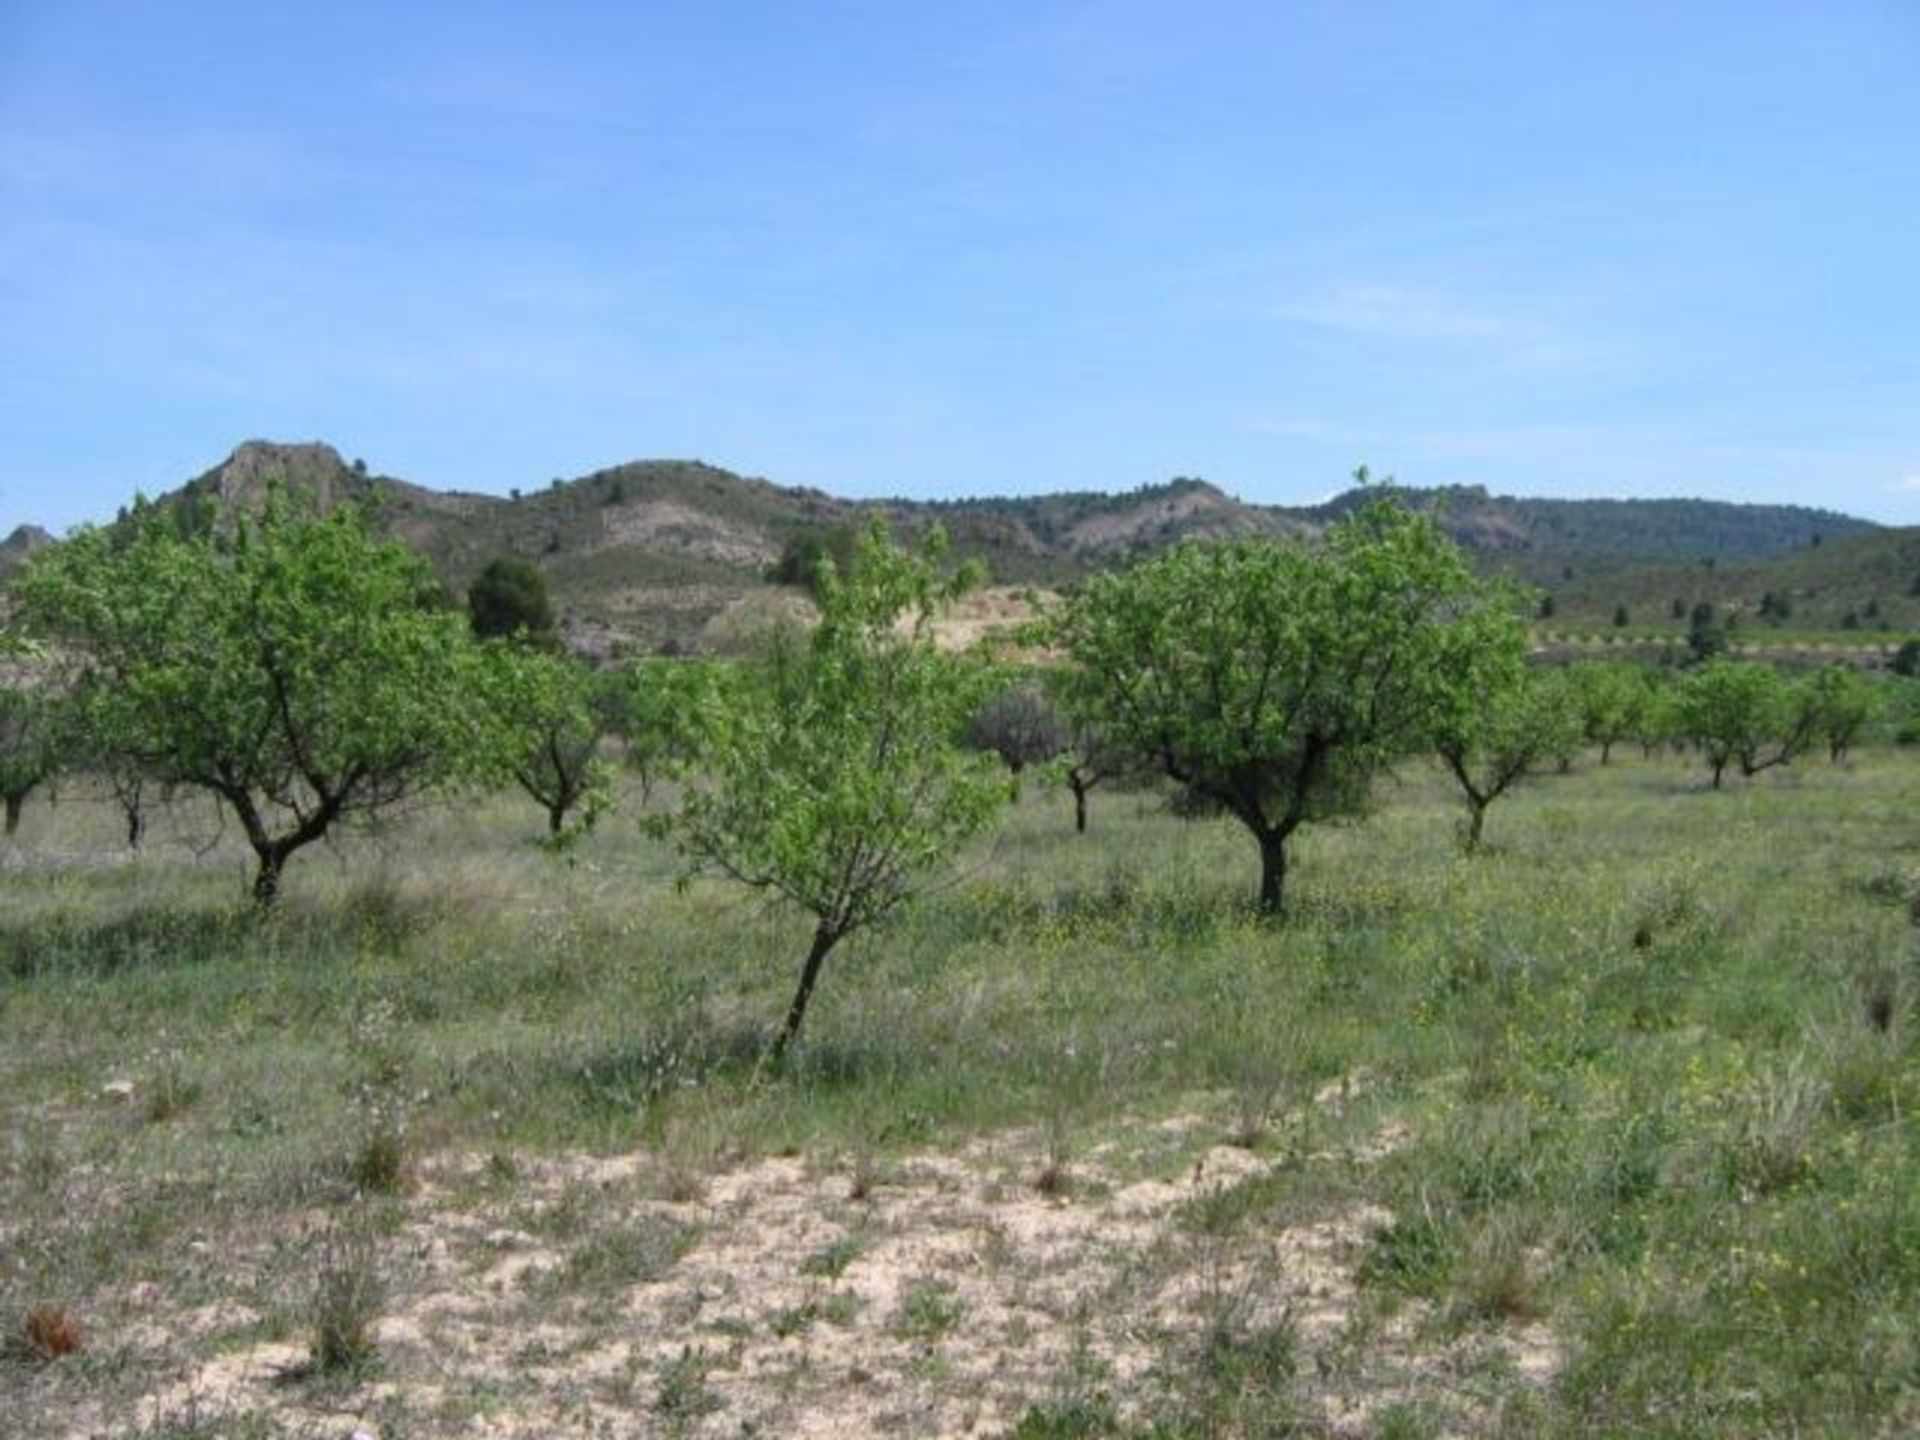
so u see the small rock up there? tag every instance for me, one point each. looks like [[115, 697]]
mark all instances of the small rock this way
[[118, 1089]]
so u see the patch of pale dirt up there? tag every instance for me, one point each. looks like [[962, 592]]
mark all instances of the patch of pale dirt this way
[[939, 1294], [986, 615], [685, 530]]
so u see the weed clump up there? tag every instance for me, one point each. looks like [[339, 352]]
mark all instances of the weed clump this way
[[348, 1295]]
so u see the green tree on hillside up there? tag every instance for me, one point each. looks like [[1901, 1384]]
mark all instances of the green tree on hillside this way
[[300, 670], [510, 598], [1276, 680], [834, 772]]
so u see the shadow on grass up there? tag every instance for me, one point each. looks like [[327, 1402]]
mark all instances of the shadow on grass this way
[[148, 936], [151, 936], [637, 1074]]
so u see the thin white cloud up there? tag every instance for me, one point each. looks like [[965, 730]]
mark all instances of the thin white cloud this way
[[1907, 483], [1509, 330], [1395, 312]]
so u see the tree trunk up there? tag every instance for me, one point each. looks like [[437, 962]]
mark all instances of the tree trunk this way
[[823, 940], [556, 819], [1273, 872], [136, 825], [14, 802], [1476, 821], [1719, 766], [1606, 751], [266, 880], [1079, 805]]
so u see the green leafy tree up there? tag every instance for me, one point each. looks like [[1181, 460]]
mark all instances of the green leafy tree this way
[[1500, 721], [1276, 679], [804, 556], [548, 734], [509, 598], [1844, 703], [1742, 712], [1706, 637], [659, 709], [1612, 696], [835, 776], [30, 728], [299, 669]]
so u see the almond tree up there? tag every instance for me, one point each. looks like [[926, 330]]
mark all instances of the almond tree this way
[[302, 671], [1503, 725], [1739, 711], [548, 731], [1276, 679], [835, 775]]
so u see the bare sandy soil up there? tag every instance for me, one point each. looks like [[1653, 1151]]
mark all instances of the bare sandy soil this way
[[933, 1294]]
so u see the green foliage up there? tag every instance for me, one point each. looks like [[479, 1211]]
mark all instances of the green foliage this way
[[1742, 712], [834, 773], [510, 598], [300, 670], [1613, 697], [660, 710], [805, 557], [1277, 679], [1843, 703], [1502, 722], [31, 718], [547, 732]]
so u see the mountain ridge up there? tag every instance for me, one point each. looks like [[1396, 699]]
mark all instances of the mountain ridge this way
[[654, 553]]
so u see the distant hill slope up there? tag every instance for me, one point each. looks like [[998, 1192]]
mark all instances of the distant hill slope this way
[[674, 551], [1866, 582]]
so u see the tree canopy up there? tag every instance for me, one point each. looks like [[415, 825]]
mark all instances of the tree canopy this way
[[834, 770], [300, 670], [508, 598], [1276, 679]]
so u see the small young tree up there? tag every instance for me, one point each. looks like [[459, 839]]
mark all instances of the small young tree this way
[[548, 734], [1844, 703], [1507, 723], [1276, 679], [1021, 725], [510, 598], [1742, 712], [300, 670], [659, 710], [29, 747], [835, 776], [1094, 754], [1612, 696]]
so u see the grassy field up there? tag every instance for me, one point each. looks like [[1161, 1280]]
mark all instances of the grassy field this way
[[1607, 1131]]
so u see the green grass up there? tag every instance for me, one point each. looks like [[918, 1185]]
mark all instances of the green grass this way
[[1692, 1161]]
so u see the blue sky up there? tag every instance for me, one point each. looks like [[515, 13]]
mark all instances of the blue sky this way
[[943, 249]]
